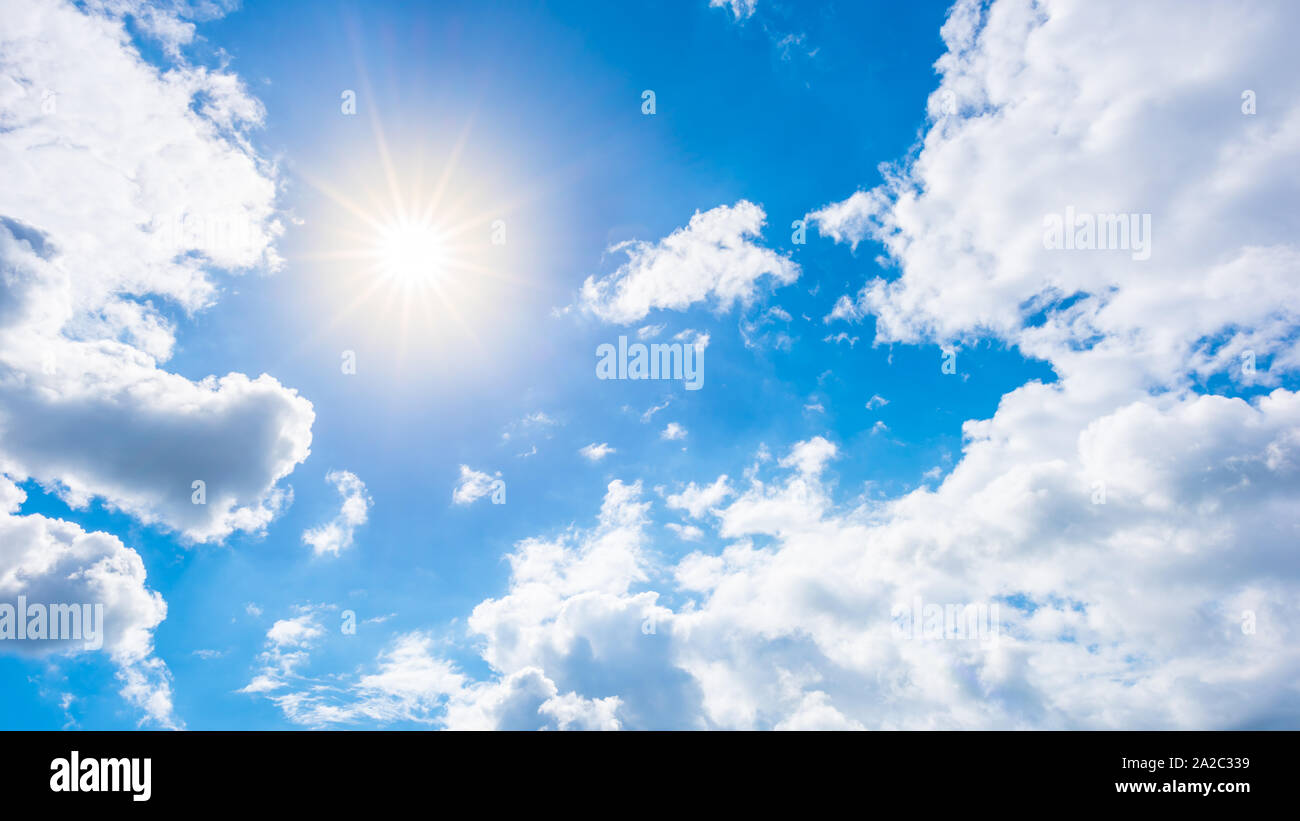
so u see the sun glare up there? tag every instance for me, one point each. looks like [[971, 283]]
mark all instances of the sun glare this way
[[419, 258], [411, 254]]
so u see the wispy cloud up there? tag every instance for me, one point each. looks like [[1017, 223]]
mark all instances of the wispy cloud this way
[[338, 534]]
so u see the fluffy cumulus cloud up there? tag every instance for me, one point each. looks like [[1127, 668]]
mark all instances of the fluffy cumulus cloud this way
[[1134, 531], [1128, 131], [52, 562], [337, 535], [793, 622], [125, 187], [713, 258]]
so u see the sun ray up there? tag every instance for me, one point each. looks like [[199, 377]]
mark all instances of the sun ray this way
[[448, 168]]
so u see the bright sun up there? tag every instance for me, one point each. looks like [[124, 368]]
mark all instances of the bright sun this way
[[420, 260], [411, 253]]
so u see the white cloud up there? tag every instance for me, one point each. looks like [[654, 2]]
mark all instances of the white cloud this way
[[714, 256], [811, 456], [595, 452], [57, 563], [687, 533], [697, 500], [287, 649], [295, 632], [848, 221], [166, 189], [741, 9], [125, 188], [155, 435], [1127, 614], [1029, 100], [754, 336], [652, 410], [697, 338], [337, 535], [472, 485], [1123, 614], [536, 422], [412, 683], [876, 401], [673, 431], [800, 633]]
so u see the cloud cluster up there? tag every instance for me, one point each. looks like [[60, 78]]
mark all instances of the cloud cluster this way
[[165, 188], [125, 187], [412, 683], [1135, 532], [801, 632], [1026, 97]]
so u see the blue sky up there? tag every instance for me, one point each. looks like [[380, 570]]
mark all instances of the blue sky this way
[[531, 113]]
